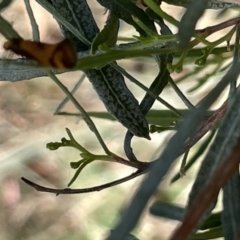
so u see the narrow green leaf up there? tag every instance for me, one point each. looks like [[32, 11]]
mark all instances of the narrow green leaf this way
[[155, 8], [4, 4], [7, 30], [102, 59], [210, 234], [155, 117], [35, 30], [65, 21], [124, 9], [83, 164], [167, 210], [213, 221], [196, 156], [231, 208], [189, 20], [131, 237], [174, 212], [108, 35]]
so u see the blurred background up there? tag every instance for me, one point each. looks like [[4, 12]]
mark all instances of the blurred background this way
[[27, 124]]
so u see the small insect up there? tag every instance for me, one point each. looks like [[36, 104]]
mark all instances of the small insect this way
[[60, 55]]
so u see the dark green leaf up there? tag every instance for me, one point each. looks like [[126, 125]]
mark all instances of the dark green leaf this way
[[124, 9], [213, 221], [4, 4], [167, 210]]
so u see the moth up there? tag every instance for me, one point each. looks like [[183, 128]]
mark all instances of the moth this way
[[60, 55]]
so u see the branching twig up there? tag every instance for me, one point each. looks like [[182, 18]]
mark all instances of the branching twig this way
[[143, 167], [212, 29]]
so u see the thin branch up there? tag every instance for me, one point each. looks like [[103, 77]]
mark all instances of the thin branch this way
[[40, 188], [66, 99], [212, 29], [206, 126], [125, 162], [35, 29], [85, 116], [180, 94]]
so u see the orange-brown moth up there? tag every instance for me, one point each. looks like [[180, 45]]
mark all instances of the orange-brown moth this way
[[60, 55]]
